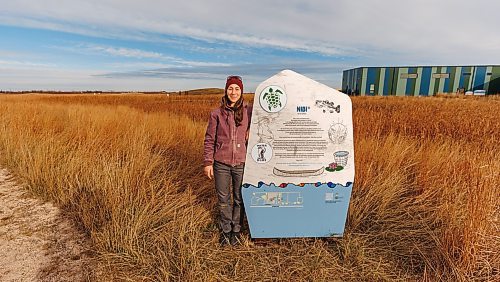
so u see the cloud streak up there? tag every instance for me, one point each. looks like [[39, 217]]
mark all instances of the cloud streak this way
[[252, 74], [85, 48], [201, 41], [326, 27], [126, 52], [24, 64]]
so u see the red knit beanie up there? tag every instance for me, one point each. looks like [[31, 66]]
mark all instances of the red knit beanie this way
[[234, 80]]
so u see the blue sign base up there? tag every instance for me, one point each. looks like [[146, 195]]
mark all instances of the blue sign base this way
[[308, 210]]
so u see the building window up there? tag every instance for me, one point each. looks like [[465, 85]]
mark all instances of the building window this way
[[488, 73], [466, 73], [440, 75], [408, 75]]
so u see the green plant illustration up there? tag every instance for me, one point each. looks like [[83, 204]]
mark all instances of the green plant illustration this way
[[334, 167]]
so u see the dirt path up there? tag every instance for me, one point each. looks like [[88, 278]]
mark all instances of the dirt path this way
[[36, 242]]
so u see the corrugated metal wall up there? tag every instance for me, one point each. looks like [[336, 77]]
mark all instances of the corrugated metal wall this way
[[421, 80]]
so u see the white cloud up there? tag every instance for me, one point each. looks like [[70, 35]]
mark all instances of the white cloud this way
[[126, 52], [24, 64], [139, 65], [253, 74], [375, 32], [126, 77], [86, 48], [424, 29], [13, 79]]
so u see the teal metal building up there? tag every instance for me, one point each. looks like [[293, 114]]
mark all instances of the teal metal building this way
[[420, 80]]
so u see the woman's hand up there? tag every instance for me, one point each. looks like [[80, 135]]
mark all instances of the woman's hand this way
[[209, 171]]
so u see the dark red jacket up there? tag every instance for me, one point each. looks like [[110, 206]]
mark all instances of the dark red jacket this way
[[224, 141]]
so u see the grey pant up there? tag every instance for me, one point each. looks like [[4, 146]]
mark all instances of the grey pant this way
[[231, 214]]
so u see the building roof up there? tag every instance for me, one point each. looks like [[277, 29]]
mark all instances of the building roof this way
[[429, 66]]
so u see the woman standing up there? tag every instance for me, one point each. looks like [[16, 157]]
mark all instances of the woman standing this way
[[224, 156]]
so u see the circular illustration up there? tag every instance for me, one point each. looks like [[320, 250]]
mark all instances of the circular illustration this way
[[337, 133], [272, 99], [262, 153]]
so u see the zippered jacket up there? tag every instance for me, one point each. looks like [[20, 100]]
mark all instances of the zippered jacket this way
[[224, 141]]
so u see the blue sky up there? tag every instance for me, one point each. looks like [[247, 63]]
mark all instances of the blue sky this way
[[166, 45]]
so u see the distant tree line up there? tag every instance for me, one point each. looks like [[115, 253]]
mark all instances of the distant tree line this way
[[204, 91]]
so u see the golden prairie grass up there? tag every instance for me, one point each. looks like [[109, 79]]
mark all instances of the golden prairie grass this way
[[127, 169]]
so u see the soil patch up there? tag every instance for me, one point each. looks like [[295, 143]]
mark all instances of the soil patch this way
[[37, 243]]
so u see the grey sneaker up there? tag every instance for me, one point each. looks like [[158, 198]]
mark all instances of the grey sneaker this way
[[225, 238], [235, 238]]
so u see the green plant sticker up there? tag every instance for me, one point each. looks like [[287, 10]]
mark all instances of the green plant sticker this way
[[334, 167]]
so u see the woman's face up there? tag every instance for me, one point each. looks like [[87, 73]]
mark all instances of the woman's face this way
[[233, 93]]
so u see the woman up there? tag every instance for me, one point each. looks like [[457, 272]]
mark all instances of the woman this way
[[224, 156]]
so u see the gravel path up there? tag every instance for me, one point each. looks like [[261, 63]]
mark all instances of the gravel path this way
[[36, 242]]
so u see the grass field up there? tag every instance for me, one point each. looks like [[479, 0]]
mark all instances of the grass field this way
[[127, 169]]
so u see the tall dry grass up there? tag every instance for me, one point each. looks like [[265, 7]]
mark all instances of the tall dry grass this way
[[127, 169]]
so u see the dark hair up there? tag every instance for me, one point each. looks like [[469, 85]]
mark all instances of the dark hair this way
[[237, 108]]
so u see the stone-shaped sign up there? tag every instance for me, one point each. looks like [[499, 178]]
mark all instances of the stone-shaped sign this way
[[299, 168]]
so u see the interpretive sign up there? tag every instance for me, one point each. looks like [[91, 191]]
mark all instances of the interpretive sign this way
[[299, 169]]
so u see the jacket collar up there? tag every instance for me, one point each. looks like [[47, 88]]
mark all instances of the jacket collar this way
[[228, 109]]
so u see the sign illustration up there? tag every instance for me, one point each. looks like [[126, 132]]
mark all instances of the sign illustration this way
[[272, 99], [299, 170], [262, 153]]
